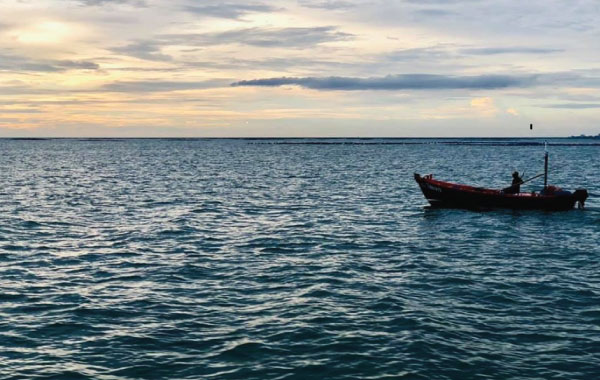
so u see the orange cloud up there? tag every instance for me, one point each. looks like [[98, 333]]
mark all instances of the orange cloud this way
[[484, 106]]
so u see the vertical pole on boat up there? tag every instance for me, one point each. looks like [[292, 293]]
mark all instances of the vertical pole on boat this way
[[545, 164]]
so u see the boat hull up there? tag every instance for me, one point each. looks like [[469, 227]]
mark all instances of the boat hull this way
[[445, 194]]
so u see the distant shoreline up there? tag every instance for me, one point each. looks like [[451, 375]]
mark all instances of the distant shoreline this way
[[349, 141], [585, 137], [302, 138]]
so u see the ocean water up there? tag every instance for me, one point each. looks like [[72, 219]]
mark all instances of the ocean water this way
[[292, 259]]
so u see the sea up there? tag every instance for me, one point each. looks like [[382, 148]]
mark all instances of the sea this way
[[293, 259]]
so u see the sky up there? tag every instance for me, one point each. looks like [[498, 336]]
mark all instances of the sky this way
[[299, 68]]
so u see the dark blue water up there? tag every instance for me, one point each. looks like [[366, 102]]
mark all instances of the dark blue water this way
[[252, 259]]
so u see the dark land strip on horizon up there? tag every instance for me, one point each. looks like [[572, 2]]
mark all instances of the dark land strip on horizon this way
[[481, 141]]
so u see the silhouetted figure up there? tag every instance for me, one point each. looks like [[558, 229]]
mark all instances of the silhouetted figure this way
[[516, 184]]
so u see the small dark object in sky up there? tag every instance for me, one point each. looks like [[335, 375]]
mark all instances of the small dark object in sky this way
[[530, 126]]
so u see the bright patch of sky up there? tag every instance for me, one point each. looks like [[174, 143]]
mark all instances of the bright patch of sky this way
[[299, 68]]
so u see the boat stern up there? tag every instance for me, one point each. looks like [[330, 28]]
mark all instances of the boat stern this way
[[580, 196]]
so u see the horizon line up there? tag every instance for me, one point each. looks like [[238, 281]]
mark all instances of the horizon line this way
[[284, 137]]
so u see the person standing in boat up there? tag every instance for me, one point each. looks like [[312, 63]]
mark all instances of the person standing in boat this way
[[515, 187]]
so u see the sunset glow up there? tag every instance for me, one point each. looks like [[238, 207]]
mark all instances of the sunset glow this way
[[308, 67]]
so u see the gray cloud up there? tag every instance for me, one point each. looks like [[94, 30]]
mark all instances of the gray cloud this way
[[19, 110], [161, 86], [76, 65], [509, 50], [21, 89], [17, 63], [443, 2], [399, 82], [148, 50], [444, 53], [229, 10], [295, 38], [263, 37], [138, 3], [327, 4], [573, 105], [434, 53], [434, 12]]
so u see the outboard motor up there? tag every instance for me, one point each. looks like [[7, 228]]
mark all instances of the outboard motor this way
[[580, 196]]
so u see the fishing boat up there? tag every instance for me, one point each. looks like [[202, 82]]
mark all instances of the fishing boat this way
[[447, 194]]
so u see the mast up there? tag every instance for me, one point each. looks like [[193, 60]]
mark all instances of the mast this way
[[545, 164]]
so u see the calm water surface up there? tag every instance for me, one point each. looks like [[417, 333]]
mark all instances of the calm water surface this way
[[253, 259]]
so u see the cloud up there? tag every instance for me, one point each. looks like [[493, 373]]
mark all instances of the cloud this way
[[573, 105], [509, 50], [434, 53], [147, 50], [327, 4], [440, 2], [441, 53], [18, 63], [229, 10], [294, 38], [95, 3], [19, 110], [161, 86], [23, 89], [399, 82], [434, 12], [484, 106], [263, 37]]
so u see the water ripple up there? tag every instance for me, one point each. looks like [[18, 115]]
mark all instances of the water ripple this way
[[231, 259]]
